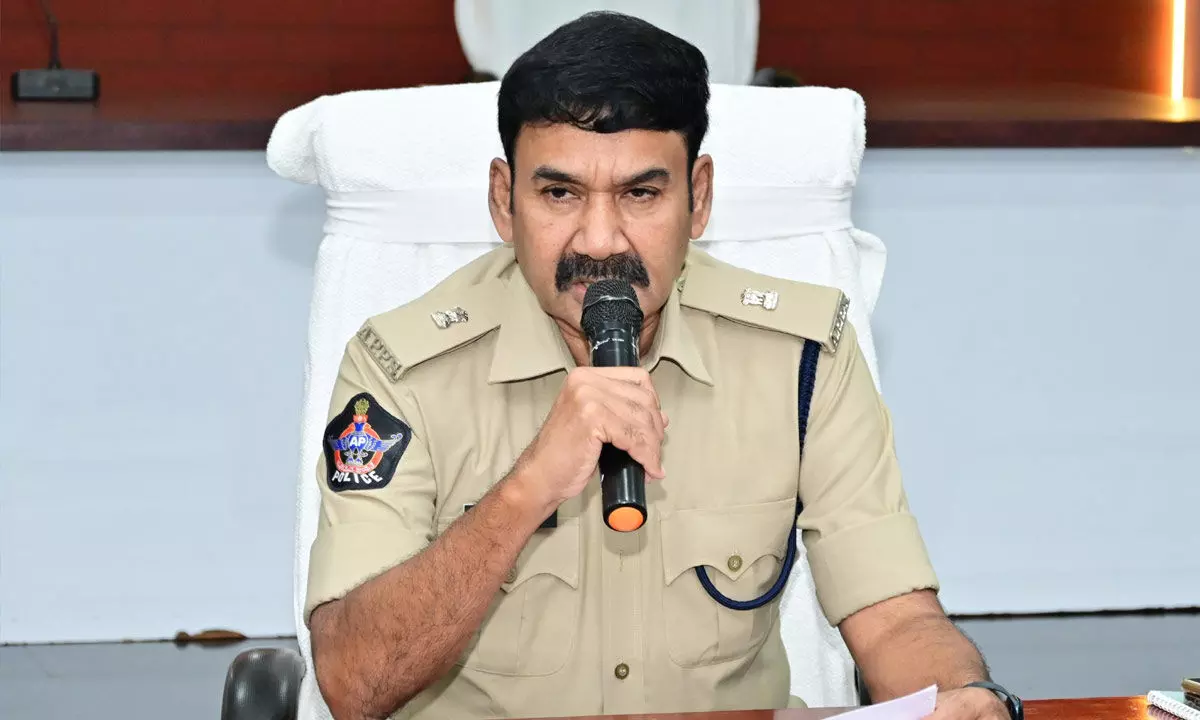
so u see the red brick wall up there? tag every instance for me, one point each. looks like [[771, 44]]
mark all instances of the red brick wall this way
[[875, 44], [1192, 41], [147, 49], [159, 48]]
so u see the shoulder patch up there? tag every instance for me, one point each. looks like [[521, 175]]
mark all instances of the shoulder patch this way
[[430, 326], [363, 445], [812, 312]]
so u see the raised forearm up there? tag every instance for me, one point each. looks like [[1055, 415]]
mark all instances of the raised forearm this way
[[394, 635]]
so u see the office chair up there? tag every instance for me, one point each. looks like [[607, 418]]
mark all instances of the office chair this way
[[786, 159]]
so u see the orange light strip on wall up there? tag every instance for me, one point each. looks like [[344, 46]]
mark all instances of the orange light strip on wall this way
[[1178, 38]]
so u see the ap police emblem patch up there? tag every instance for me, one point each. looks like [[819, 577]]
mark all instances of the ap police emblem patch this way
[[363, 445]]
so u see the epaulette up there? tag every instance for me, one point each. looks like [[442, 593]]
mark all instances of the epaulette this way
[[813, 312], [429, 326], [461, 308]]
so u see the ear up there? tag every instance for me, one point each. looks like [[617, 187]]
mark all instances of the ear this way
[[500, 198], [702, 194]]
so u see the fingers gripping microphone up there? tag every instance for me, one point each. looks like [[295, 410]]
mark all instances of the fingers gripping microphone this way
[[612, 322]]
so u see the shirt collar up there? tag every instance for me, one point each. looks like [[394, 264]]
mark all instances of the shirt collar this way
[[676, 341], [530, 344]]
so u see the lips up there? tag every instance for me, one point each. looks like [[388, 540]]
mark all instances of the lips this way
[[578, 290]]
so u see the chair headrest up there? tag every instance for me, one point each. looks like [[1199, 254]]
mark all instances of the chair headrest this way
[[493, 33], [444, 137]]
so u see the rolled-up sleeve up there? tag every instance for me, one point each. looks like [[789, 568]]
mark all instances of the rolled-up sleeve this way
[[863, 544], [365, 528]]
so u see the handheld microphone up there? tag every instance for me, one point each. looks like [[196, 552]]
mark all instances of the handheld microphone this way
[[612, 322]]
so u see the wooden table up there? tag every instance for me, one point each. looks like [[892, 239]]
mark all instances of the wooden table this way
[[1091, 708], [1121, 708]]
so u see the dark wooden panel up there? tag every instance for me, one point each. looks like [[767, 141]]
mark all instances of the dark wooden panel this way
[[178, 124], [242, 115], [1059, 116], [219, 54]]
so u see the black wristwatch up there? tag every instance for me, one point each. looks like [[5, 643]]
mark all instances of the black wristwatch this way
[[1016, 711]]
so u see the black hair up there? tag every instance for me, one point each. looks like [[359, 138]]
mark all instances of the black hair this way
[[607, 72]]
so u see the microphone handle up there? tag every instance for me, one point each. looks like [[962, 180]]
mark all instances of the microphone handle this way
[[622, 490], [622, 480]]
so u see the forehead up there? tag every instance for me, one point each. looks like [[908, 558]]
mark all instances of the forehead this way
[[585, 153]]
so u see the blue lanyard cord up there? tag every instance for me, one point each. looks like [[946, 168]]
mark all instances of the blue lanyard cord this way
[[788, 561], [807, 381]]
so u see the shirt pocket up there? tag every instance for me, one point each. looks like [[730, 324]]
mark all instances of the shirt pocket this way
[[531, 624], [742, 548]]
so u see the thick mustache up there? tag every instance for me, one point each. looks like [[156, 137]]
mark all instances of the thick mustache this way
[[575, 268]]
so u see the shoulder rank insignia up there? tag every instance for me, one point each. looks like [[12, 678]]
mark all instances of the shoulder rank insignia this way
[[445, 318], [839, 324], [768, 299], [805, 310], [378, 349]]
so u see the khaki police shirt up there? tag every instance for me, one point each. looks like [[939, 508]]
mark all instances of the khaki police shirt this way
[[593, 621]]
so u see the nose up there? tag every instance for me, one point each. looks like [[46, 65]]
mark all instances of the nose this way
[[600, 232]]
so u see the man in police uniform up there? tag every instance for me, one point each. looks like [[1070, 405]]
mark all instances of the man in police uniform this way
[[462, 567]]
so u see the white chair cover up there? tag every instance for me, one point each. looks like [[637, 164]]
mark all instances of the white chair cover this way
[[405, 175], [495, 32]]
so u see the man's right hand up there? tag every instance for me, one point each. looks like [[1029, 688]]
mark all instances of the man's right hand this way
[[431, 604], [616, 405]]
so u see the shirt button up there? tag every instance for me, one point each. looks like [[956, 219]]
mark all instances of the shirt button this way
[[735, 563], [511, 577], [621, 671]]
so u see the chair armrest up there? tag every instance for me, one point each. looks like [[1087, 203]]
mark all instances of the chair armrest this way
[[864, 695], [263, 684]]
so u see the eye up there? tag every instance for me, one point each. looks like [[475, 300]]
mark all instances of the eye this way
[[643, 194], [557, 192]]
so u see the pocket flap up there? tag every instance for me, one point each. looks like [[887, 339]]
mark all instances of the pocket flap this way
[[729, 539], [549, 552]]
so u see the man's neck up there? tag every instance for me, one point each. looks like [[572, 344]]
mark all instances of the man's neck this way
[[577, 342]]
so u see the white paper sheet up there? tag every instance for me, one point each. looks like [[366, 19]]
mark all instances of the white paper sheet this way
[[910, 707]]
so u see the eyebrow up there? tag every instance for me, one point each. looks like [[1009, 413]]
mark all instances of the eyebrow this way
[[645, 176], [545, 172]]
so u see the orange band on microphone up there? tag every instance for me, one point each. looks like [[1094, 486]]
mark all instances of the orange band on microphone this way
[[626, 519]]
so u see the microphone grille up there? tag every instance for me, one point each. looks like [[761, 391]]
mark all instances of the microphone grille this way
[[610, 301]]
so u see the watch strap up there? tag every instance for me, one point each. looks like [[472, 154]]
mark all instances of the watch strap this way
[[1016, 711]]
